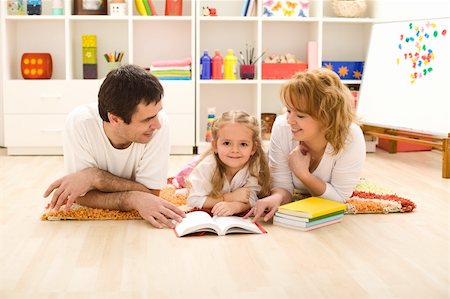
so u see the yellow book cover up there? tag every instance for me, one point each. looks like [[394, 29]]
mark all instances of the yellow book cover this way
[[311, 207]]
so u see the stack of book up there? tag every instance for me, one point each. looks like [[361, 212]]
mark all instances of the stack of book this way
[[309, 213]]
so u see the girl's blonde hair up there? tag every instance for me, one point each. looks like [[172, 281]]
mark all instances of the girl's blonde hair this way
[[257, 165], [321, 94]]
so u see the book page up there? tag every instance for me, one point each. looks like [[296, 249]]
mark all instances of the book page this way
[[235, 224], [195, 222]]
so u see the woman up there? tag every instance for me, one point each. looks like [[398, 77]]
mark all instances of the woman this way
[[316, 148]]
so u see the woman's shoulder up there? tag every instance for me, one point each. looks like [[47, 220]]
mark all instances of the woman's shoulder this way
[[356, 131], [281, 120], [355, 139]]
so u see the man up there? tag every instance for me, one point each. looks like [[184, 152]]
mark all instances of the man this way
[[116, 156]]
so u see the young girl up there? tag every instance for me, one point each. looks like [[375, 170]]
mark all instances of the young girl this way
[[231, 176]]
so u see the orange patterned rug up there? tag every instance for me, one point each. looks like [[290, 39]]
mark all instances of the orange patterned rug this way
[[367, 198]]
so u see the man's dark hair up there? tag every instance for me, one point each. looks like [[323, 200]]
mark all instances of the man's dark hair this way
[[124, 89]]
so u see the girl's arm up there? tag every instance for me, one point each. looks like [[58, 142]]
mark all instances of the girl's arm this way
[[229, 208]]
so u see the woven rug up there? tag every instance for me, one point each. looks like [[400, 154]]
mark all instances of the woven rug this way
[[79, 212], [367, 198], [371, 198]]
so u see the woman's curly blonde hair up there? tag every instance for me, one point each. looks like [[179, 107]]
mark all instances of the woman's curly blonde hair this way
[[321, 94]]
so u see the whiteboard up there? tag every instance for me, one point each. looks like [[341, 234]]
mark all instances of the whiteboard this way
[[406, 78]]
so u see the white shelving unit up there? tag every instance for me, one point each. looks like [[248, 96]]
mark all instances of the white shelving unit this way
[[35, 110], [344, 39]]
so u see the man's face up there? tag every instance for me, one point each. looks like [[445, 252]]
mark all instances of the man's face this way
[[144, 123]]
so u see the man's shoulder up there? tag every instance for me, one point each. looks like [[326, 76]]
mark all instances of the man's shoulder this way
[[84, 118], [84, 114], [84, 111]]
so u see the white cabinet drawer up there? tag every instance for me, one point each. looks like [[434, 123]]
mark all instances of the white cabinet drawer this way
[[34, 130], [179, 97], [182, 130], [48, 96], [46, 130]]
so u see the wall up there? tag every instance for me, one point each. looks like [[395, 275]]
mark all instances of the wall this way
[[410, 10]]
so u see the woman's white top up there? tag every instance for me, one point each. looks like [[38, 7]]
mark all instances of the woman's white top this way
[[340, 172]]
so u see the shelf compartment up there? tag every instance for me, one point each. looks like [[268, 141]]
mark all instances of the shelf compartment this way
[[270, 98], [152, 42], [224, 35], [21, 38], [112, 35], [160, 7], [224, 8], [225, 97], [345, 41], [280, 39]]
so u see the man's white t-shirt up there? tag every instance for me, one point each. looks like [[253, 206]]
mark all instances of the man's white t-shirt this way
[[86, 145], [340, 172]]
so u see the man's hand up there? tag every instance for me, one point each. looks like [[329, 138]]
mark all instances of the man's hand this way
[[154, 209], [68, 188]]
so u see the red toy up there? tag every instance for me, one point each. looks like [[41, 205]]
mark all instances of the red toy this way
[[36, 66]]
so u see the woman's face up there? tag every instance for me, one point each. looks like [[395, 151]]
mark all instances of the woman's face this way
[[303, 126]]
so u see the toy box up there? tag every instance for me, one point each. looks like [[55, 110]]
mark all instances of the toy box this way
[[348, 70], [281, 70]]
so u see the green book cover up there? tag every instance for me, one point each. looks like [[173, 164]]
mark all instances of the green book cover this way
[[281, 214]]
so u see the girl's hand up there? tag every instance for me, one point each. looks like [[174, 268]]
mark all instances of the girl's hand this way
[[227, 208]]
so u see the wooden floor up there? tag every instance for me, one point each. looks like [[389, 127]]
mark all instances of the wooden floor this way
[[367, 256]]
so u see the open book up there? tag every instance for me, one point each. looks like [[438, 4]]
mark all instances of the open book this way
[[201, 222]]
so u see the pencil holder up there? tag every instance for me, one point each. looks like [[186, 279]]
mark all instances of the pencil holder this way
[[247, 71]]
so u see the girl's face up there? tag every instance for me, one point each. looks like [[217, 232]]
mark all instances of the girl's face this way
[[303, 126], [234, 146]]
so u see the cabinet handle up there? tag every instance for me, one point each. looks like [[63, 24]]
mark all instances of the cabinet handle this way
[[50, 97]]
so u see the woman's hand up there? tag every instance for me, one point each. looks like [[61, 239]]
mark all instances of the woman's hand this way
[[264, 207], [299, 160]]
